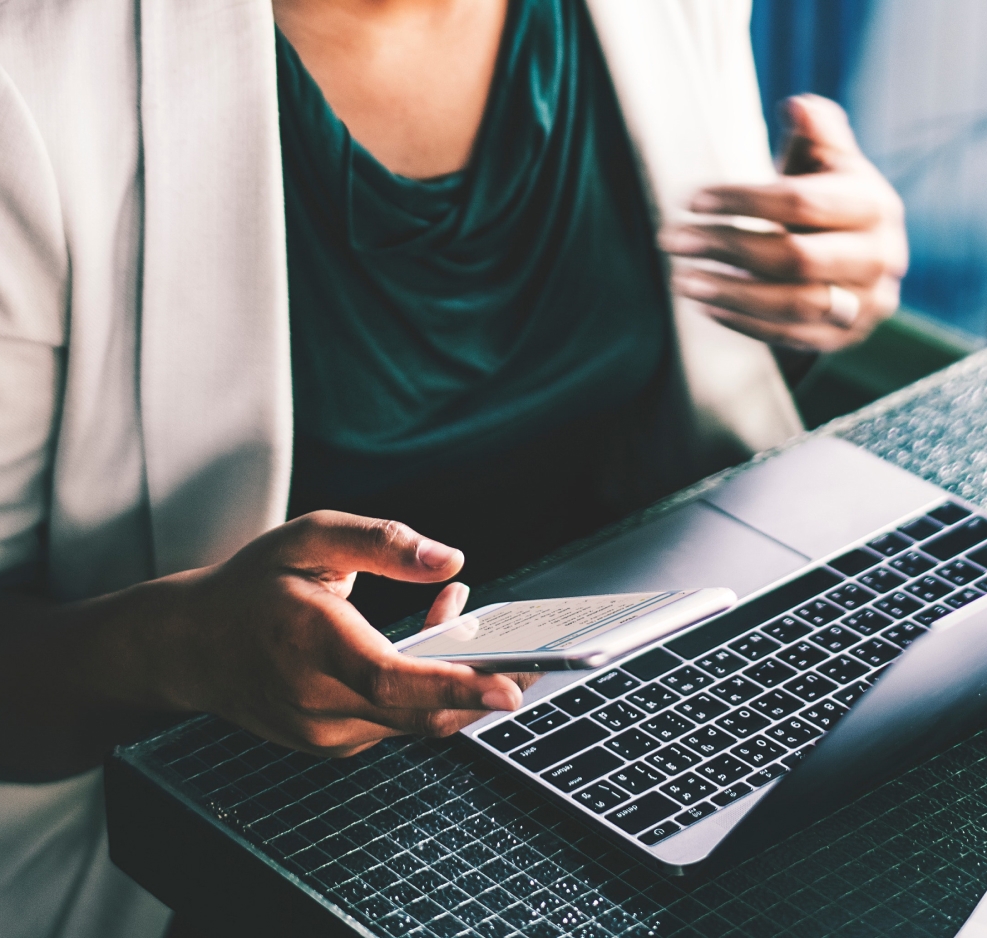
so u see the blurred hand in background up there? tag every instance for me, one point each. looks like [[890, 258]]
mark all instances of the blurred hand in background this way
[[814, 260]]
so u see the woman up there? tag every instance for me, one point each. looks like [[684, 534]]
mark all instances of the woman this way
[[458, 196]]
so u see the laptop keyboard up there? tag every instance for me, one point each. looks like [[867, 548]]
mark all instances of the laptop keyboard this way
[[685, 729]]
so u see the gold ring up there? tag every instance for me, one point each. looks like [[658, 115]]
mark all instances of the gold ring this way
[[844, 306]]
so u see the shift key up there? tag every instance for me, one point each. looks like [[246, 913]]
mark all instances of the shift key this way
[[556, 746]]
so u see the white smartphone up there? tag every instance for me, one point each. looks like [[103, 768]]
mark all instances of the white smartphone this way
[[575, 633]]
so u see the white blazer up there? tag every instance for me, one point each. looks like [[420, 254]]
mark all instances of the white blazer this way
[[145, 387]]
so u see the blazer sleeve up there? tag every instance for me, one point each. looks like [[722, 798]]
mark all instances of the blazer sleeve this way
[[34, 269]]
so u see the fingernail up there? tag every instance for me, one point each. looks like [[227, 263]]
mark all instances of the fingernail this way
[[435, 555], [706, 202], [695, 287], [683, 242], [499, 700]]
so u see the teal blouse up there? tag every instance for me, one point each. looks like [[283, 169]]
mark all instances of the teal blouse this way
[[439, 326]]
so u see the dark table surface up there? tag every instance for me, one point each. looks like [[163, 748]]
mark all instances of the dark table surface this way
[[428, 839]]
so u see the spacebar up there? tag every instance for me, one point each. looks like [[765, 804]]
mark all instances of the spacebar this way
[[556, 746]]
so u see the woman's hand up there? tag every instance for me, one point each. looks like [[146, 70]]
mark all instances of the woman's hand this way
[[272, 643], [827, 271]]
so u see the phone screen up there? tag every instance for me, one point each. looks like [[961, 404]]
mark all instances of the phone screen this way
[[539, 625]]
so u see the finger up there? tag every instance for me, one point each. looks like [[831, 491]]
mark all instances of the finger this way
[[819, 136], [818, 202], [804, 337], [360, 657], [447, 605], [332, 543], [771, 302], [843, 257]]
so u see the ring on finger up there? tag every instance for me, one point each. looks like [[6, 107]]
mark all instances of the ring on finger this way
[[844, 306]]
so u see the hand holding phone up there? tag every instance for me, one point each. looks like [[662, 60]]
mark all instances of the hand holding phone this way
[[573, 633]]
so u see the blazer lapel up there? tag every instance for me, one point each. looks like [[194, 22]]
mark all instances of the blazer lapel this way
[[685, 79], [215, 376]]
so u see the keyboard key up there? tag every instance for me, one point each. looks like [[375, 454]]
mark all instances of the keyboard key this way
[[637, 778], [647, 811], [928, 589], [890, 544], [850, 695], [802, 655], [911, 563], [720, 663], [657, 834], [866, 622], [921, 528], [766, 774], [549, 722], [724, 770], [793, 733], [688, 789], [963, 597], [736, 690], [557, 746], [875, 652], [770, 672], [667, 726], [673, 759], [686, 680], [708, 740], [960, 572], [903, 633], [743, 722], [855, 561], [601, 797], [535, 714], [577, 701], [825, 714], [652, 697], [810, 687], [882, 580], [777, 704], [574, 773], [850, 596], [843, 669], [898, 605], [818, 612], [651, 664], [617, 716], [794, 758], [753, 612], [758, 751], [978, 556], [949, 513], [967, 535], [754, 646], [787, 629], [731, 794], [931, 614], [835, 638], [695, 813], [613, 684], [506, 736], [701, 708], [631, 745]]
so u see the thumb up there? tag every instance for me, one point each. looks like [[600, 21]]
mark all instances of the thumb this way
[[819, 137], [339, 543]]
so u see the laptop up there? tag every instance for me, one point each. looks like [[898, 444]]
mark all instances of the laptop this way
[[859, 646]]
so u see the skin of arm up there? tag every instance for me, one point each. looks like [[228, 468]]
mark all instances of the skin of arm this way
[[838, 221], [267, 640]]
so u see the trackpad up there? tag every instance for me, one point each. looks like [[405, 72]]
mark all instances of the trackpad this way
[[693, 546]]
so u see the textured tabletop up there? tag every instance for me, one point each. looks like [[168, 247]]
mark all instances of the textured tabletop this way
[[427, 839]]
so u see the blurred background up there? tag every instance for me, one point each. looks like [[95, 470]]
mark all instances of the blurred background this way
[[912, 75]]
